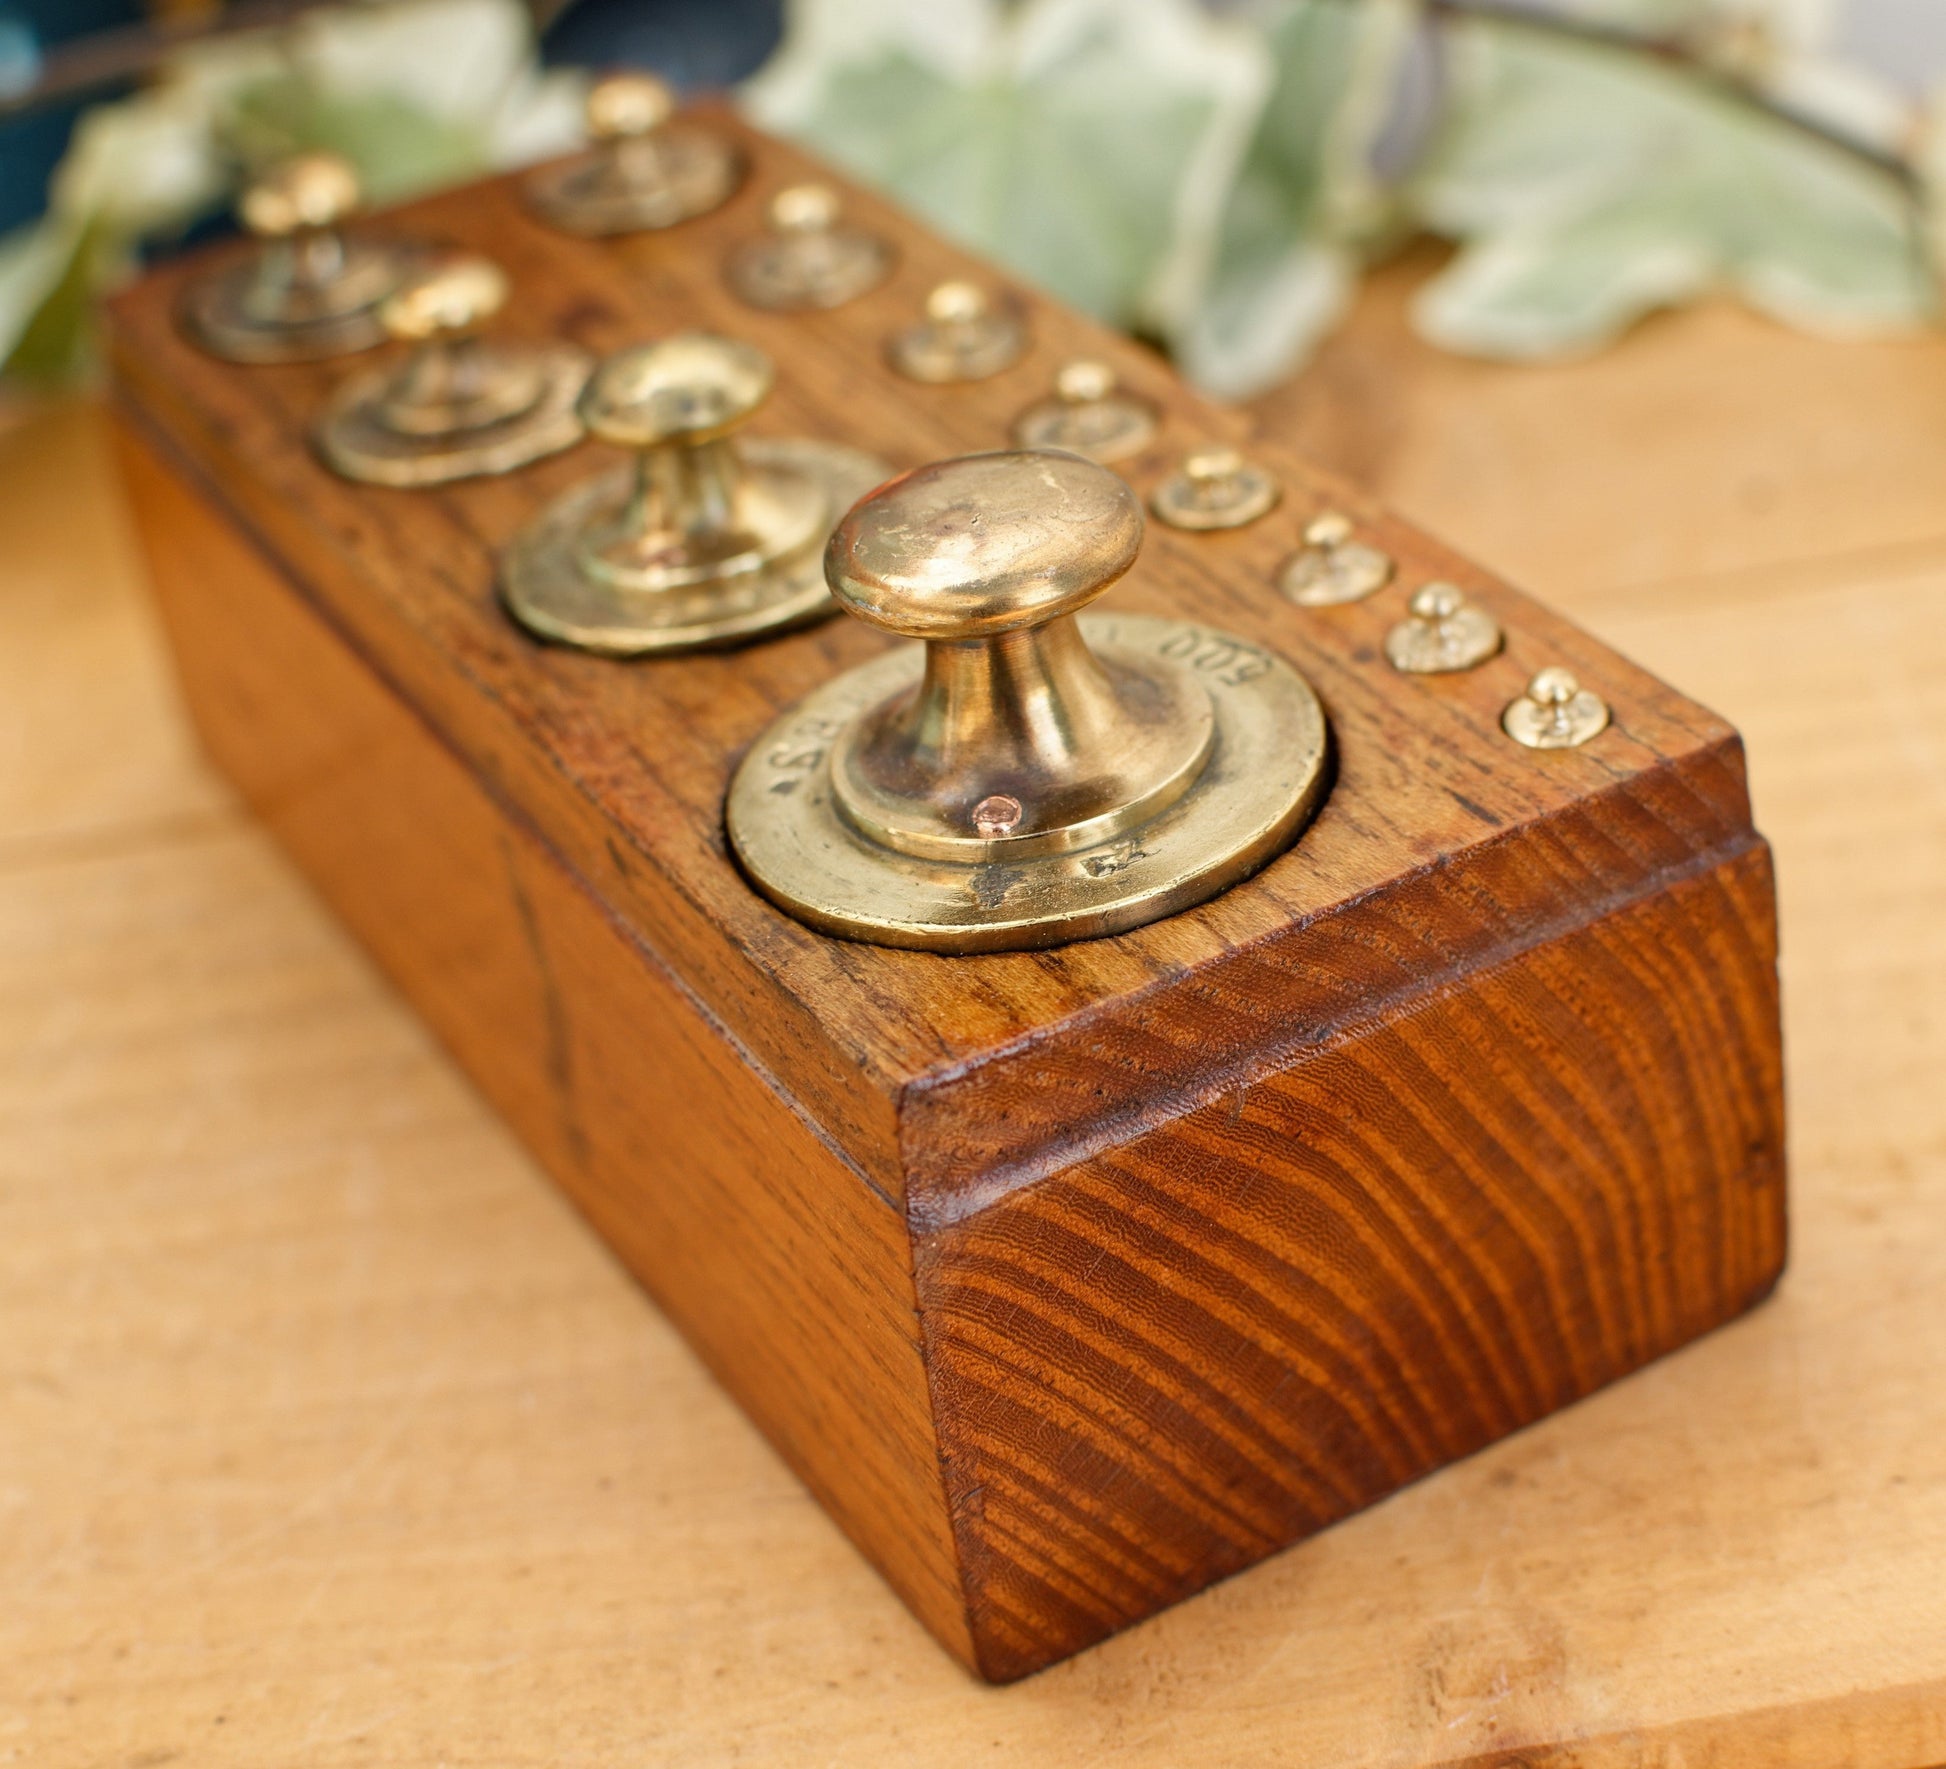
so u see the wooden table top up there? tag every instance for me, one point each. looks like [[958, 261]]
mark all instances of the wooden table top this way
[[329, 1434]]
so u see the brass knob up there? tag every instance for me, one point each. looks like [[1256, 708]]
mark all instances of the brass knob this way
[[965, 335], [1556, 712], [810, 258], [644, 170], [621, 107], [1089, 414], [310, 291], [705, 538], [1442, 632], [1031, 780], [316, 190], [460, 405]]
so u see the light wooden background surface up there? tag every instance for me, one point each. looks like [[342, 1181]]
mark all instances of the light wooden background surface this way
[[330, 1436]]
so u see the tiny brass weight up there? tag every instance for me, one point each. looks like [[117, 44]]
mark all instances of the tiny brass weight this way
[[1215, 488], [1556, 712], [1331, 568], [706, 539], [1032, 776], [643, 171], [1442, 632], [966, 335], [460, 405], [311, 290], [1090, 414], [810, 258]]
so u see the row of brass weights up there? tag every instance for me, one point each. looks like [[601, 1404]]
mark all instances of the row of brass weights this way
[[1030, 777]]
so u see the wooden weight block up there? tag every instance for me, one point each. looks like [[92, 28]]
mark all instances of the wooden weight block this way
[[1070, 1281]]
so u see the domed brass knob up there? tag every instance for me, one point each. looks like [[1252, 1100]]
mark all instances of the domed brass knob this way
[[643, 171], [461, 404], [310, 290], [811, 258], [1035, 777], [707, 538], [626, 105], [1089, 414]]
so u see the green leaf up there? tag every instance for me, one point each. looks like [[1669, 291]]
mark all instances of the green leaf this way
[[1305, 198], [1086, 144], [1592, 186]]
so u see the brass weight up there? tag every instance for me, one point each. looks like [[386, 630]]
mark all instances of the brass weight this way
[[706, 539], [460, 405], [643, 171], [1030, 777], [310, 290]]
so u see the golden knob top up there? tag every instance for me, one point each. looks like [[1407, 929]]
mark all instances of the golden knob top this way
[[1084, 381], [307, 191], [691, 388], [447, 301], [956, 303], [983, 545], [805, 208], [623, 105]]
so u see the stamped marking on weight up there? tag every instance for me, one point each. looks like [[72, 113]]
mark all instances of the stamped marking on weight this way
[[1230, 660]]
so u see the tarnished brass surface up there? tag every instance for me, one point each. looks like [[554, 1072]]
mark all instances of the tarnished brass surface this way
[[707, 539], [1031, 777], [460, 405], [1331, 568], [1089, 414], [1215, 488], [1556, 712], [809, 259], [644, 171], [1442, 632], [310, 290], [966, 335]]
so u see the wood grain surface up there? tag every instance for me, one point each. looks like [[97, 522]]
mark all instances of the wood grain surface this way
[[331, 1436], [1465, 1108], [623, 766]]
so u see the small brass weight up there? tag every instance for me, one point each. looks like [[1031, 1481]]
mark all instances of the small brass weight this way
[[460, 405], [706, 539], [311, 290], [1030, 777], [644, 171]]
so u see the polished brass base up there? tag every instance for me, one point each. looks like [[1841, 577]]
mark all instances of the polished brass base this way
[[252, 313], [554, 583], [368, 432], [635, 186], [1264, 776]]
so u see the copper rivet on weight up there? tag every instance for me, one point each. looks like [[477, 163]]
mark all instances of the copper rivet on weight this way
[[1556, 712], [1441, 633]]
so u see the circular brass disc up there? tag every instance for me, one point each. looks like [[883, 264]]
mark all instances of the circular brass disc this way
[[1231, 502], [803, 272], [1328, 577], [694, 173], [1103, 430], [546, 590], [217, 312], [1535, 725], [1264, 779], [355, 440]]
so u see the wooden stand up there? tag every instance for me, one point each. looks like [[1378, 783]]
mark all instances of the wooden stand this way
[[1069, 1281]]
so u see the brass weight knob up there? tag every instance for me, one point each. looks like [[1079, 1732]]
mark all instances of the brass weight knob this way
[[310, 289], [706, 538], [461, 404], [811, 258], [1089, 413], [964, 335], [643, 171], [1034, 775]]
